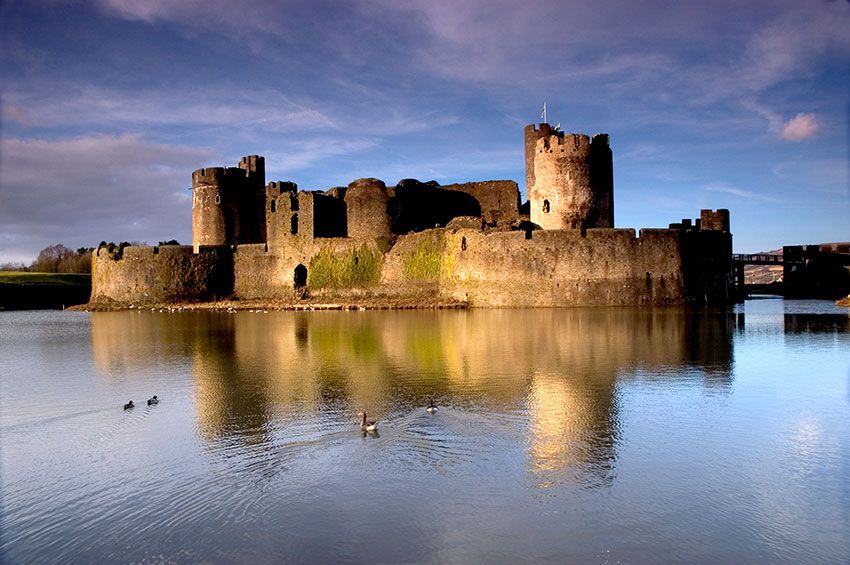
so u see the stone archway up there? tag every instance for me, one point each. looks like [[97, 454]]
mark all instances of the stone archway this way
[[300, 277]]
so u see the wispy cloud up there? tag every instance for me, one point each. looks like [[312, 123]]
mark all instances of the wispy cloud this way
[[739, 192], [88, 104], [800, 127]]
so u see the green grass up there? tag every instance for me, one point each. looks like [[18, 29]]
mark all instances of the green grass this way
[[424, 263], [345, 269], [21, 277]]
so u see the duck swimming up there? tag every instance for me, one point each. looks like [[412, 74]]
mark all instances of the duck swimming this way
[[128, 405], [431, 408], [367, 425], [152, 401]]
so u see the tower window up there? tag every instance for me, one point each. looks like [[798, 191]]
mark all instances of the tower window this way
[[463, 244], [273, 205], [293, 228], [545, 206], [218, 198]]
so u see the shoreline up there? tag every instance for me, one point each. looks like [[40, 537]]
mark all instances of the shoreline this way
[[275, 305]]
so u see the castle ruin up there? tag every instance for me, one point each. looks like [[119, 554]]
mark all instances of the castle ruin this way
[[474, 242]]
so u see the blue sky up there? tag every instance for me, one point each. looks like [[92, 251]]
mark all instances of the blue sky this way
[[108, 105]]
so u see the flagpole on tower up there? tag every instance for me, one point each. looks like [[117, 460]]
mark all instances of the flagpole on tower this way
[[544, 113]]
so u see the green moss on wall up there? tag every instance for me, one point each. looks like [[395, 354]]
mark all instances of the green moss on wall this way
[[424, 263], [357, 267]]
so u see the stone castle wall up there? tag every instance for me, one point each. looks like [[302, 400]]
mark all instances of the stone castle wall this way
[[496, 269], [565, 268], [498, 199], [170, 273]]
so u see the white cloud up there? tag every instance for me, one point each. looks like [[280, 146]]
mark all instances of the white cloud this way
[[800, 127]]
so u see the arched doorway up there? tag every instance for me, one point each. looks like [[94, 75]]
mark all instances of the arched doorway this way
[[300, 277]]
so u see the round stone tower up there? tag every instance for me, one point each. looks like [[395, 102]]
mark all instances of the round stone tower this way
[[366, 209], [214, 211], [569, 179], [208, 215]]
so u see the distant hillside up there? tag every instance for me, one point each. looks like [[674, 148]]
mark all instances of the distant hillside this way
[[766, 274], [32, 291]]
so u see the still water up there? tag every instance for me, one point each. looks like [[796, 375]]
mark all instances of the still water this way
[[562, 435]]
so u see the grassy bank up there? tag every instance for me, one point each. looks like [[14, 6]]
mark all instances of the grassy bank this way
[[32, 291]]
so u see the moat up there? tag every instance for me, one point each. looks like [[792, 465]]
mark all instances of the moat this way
[[569, 435]]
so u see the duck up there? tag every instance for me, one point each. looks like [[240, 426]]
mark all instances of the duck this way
[[431, 408], [152, 401], [128, 405], [367, 425]]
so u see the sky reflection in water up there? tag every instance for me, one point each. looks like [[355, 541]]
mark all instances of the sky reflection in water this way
[[585, 434]]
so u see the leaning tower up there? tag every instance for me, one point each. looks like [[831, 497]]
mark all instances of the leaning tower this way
[[569, 179]]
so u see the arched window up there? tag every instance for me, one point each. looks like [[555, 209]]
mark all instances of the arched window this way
[[293, 228], [273, 205], [545, 206], [463, 244], [218, 198]]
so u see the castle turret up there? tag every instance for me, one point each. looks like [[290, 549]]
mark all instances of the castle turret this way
[[211, 224], [366, 209], [569, 179], [252, 200]]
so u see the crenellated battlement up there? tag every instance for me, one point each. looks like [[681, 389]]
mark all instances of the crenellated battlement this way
[[578, 143], [253, 164], [714, 220], [277, 188], [209, 175]]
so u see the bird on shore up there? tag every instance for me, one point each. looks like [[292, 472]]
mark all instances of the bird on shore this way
[[128, 405], [152, 401], [431, 408], [367, 425]]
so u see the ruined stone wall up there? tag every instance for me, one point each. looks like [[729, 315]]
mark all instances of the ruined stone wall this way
[[564, 268], [333, 266], [281, 206], [498, 199], [170, 273]]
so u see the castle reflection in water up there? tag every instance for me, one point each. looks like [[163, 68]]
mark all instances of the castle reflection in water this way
[[553, 374]]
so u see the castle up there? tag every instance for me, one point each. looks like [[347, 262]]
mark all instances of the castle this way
[[474, 243]]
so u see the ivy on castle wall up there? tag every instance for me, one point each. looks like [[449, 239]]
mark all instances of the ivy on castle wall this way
[[423, 264], [357, 267]]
